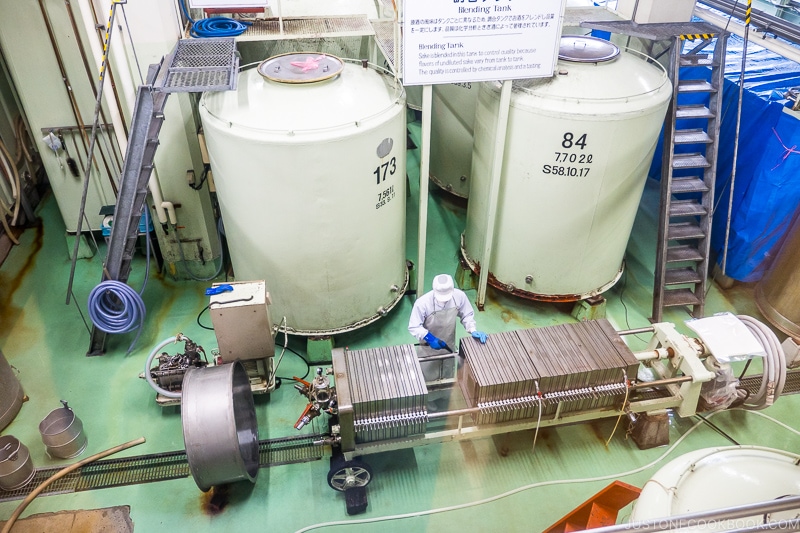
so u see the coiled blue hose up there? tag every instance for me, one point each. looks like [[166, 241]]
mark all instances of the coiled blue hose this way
[[114, 307], [214, 26]]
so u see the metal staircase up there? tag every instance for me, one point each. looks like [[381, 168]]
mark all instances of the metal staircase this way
[[688, 174], [195, 65], [691, 140]]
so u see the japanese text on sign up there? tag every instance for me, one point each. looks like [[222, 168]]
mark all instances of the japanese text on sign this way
[[448, 41]]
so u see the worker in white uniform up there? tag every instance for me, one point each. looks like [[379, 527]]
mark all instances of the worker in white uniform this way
[[433, 323]]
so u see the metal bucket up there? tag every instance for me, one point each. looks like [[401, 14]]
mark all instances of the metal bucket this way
[[62, 433], [16, 467], [220, 429], [11, 394]]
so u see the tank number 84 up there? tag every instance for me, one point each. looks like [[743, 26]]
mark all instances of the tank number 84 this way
[[570, 141], [389, 167]]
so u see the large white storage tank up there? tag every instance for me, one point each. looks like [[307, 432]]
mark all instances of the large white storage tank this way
[[452, 123], [578, 148], [720, 478], [308, 157]]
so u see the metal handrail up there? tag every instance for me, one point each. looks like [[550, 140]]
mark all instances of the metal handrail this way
[[683, 521]]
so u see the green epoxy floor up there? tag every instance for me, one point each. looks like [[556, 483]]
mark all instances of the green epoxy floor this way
[[496, 484]]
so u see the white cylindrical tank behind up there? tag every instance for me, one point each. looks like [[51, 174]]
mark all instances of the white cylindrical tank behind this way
[[452, 124], [578, 148], [452, 121], [310, 174]]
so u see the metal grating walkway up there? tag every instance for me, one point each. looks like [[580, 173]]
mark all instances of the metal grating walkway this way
[[384, 38], [308, 27], [158, 467], [198, 65]]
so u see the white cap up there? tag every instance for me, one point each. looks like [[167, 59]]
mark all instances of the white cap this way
[[443, 287]]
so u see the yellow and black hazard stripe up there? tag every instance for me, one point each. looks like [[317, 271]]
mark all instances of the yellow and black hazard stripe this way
[[695, 36]]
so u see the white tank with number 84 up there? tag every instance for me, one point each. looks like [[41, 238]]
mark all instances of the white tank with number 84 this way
[[577, 153]]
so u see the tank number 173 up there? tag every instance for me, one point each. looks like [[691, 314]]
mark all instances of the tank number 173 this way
[[389, 167]]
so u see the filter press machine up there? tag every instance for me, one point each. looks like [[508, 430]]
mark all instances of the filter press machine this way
[[377, 400]]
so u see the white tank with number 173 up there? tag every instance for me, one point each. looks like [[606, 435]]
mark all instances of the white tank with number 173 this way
[[578, 148], [308, 157]]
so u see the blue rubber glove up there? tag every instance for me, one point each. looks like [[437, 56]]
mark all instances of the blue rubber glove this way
[[435, 342], [219, 289], [481, 336]]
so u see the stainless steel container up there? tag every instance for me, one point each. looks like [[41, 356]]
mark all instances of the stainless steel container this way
[[16, 467], [62, 433], [11, 394], [220, 429], [778, 291]]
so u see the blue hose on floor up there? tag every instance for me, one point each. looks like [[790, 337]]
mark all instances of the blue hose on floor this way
[[114, 307], [214, 26]]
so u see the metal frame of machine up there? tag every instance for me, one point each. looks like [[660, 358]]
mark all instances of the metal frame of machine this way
[[680, 366]]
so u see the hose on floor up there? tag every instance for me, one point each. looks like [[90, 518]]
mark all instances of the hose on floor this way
[[774, 363], [539, 484], [115, 307], [63, 472], [214, 26]]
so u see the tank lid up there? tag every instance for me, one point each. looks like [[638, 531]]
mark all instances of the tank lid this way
[[582, 49], [302, 67]]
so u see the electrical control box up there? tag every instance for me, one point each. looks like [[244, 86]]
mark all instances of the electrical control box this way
[[657, 10], [242, 322]]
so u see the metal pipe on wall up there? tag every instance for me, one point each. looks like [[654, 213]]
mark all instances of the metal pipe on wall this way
[[165, 211], [90, 154], [117, 112], [765, 40], [89, 74], [65, 78]]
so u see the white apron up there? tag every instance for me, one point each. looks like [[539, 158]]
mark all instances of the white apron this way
[[441, 324]]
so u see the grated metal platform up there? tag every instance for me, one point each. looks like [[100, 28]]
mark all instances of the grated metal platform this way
[[654, 31], [308, 28], [199, 65], [384, 38], [158, 467]]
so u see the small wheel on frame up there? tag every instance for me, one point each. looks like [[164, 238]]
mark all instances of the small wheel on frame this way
[[349, 474]]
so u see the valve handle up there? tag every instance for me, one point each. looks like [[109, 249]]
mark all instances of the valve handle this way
[[301, 380], [304, 418]]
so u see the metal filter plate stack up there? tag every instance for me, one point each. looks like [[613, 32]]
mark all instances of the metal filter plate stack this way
[[499, 378], [579, 366], [388, 392]]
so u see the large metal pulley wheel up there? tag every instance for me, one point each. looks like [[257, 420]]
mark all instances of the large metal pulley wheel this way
[[349, 474]]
